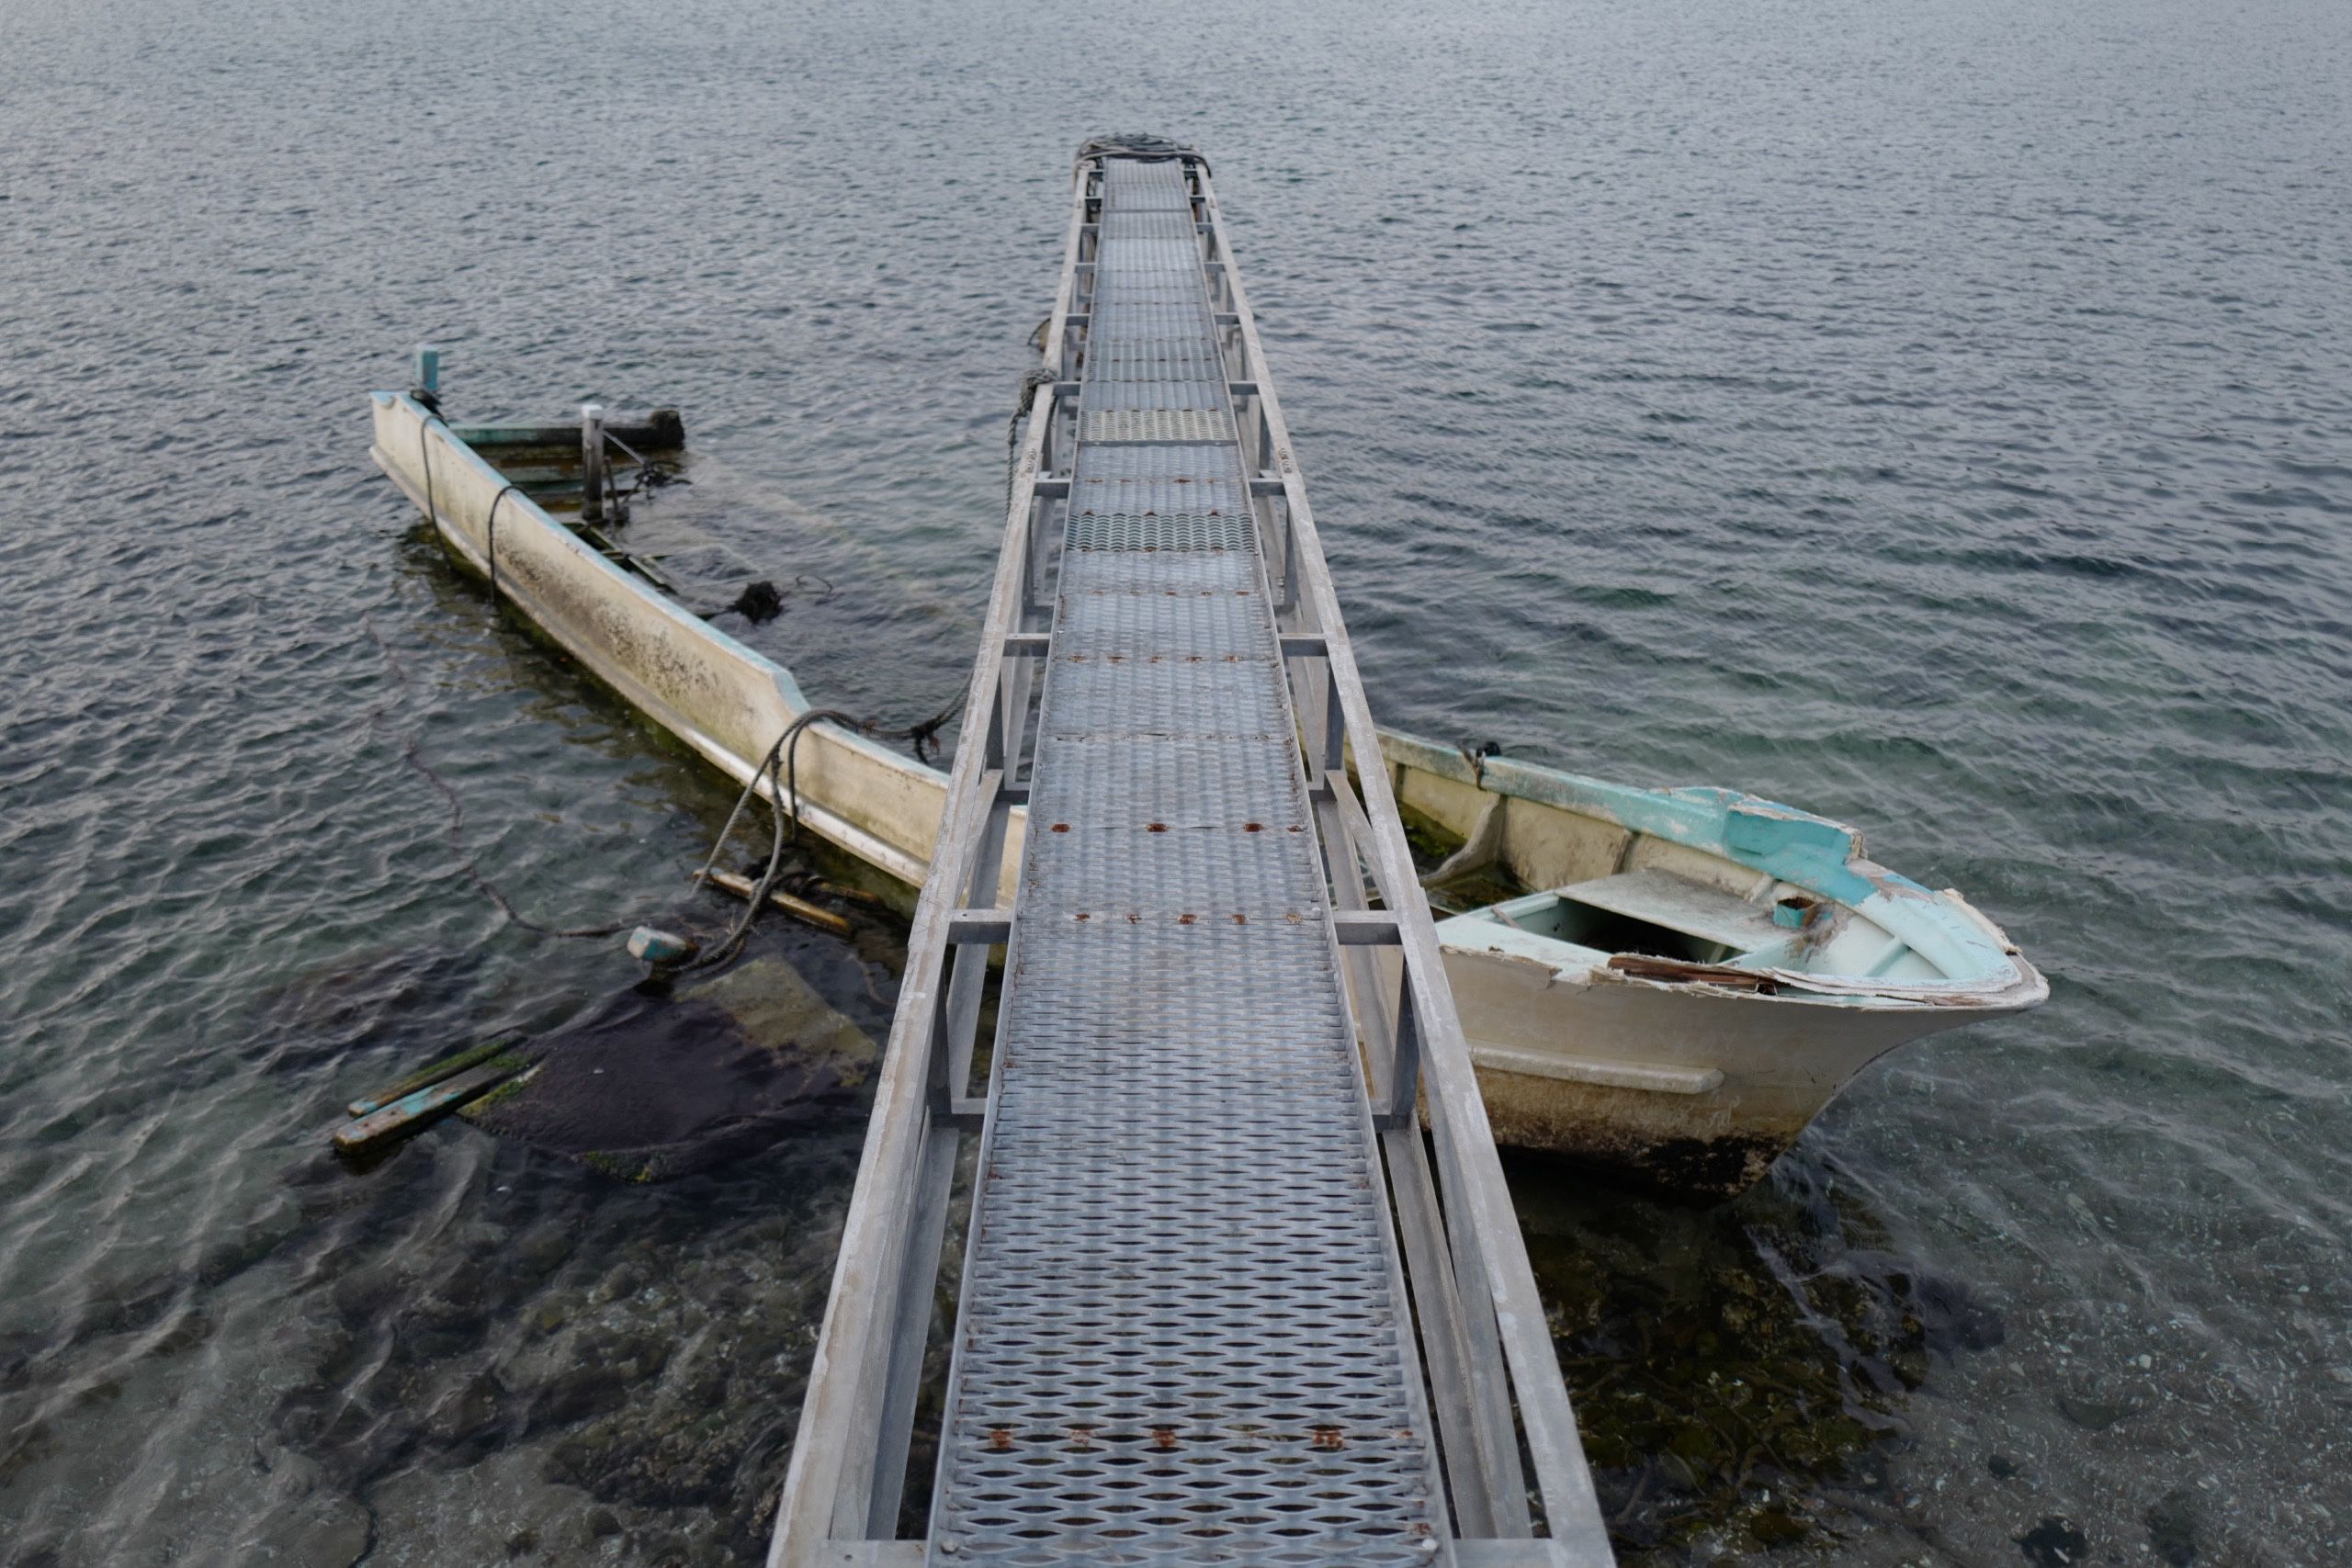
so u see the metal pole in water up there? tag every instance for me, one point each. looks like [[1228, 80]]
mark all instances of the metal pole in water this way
[[591, 462]]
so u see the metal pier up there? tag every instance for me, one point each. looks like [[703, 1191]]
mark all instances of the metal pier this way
[[1223, 1301]]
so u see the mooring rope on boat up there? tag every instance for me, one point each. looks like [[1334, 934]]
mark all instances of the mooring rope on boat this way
[[786, 818], [489, 544], [780, 766], [410, 753]]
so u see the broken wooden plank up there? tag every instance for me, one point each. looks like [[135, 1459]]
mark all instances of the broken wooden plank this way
[[414, 1112], [425, 1077], [799, 909], [1681, 971]]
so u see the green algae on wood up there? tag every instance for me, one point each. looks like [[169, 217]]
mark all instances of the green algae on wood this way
[[413, 1112], [425, 1077]]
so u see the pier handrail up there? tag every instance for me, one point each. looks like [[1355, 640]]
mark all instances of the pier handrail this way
[[1475, 1198]]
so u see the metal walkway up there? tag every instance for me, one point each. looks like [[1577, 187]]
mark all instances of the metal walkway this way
[[1214, 1293]]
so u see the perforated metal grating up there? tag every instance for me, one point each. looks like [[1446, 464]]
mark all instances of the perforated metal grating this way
[[1153, 424], [1175, 222], [1152, 359], [1120, 531], [1137, 320], [1191, 392], [1183, 1338]]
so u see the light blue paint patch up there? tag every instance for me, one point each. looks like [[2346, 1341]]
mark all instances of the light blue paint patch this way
[[1814, 853]]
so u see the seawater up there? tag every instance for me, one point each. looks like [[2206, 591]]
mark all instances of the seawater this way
[[1936, 416]]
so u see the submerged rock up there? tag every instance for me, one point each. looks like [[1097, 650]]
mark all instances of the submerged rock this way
[[776, 1007], [649, 1086], [2172, 1526], [2055, 1542], [2091, 1412]]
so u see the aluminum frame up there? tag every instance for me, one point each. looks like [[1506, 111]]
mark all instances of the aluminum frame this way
[[1512, 1461]]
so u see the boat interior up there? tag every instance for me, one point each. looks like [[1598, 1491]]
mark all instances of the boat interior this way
[[1654, 913], [1673, 890]]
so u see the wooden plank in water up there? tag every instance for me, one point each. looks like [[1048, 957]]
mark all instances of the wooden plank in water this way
[[427, 1076], [414, 1112], [798, 908]]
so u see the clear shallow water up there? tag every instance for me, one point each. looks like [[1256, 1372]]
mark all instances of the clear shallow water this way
[[1940, 417]]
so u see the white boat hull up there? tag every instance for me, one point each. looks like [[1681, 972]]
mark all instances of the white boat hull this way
[[1689, 1087]]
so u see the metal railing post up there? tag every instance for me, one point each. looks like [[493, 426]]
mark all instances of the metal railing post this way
[[591, 462]]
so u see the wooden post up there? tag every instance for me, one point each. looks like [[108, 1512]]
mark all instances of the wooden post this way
[[591, 462], [427, 361]]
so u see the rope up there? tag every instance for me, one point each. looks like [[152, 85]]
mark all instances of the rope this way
[[455, 830], [784, 806], [1039, 377], [921, 735], [490, 545], [649, 476], [424, 461], [433, 515]]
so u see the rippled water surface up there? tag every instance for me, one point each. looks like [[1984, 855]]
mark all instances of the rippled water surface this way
[[1936, 415]]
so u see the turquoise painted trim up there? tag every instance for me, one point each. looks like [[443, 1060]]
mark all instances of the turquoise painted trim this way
[[1814, 853]]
